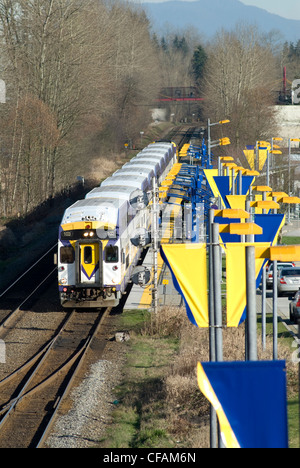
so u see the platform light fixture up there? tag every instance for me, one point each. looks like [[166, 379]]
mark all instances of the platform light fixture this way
[[290, 151], [209, 125]]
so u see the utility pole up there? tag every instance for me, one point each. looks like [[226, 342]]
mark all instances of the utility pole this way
[[251, 304], [217, 293], [275, 313], [212, 341], [155, 207]]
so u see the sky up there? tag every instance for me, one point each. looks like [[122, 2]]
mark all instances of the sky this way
[[286, 8]]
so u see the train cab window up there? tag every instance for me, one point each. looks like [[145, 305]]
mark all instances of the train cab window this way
[[111, 254], [88, 255], [67, 255]]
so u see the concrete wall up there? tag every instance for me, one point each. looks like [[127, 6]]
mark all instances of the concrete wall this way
[[159, 114], [288, 119]]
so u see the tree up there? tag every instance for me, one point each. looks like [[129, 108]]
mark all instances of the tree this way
[[80, 76], [45, 48], [239, 84], [176, 66], [198, 63]]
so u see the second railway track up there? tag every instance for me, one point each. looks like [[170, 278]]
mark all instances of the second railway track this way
[[30, 395], [52, 342]]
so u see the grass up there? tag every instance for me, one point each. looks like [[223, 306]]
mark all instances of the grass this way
[[290, 240], [293, 417], [285, 343], [140, 418], [159, 404]]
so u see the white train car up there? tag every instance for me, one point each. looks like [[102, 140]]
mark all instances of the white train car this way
[[150, 165], [111, 191], [165, 165], [138, 171], [96, 255], [169, 148], [135, 181]]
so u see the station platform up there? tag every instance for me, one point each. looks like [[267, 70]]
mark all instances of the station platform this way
[[179, 194], [141, 297]]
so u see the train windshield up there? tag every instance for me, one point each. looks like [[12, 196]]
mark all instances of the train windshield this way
[[88, 255], [67, 255], [111, 254]]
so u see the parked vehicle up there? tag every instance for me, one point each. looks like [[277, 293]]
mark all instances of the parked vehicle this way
[[295, 307], [288, 281], [279, 266]]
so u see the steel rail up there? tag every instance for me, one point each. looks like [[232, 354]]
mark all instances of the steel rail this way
[[8, 408], [5, 322], [70, 368], [69, 384]]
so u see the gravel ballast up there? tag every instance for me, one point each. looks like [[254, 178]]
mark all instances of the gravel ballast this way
[[85, 424]]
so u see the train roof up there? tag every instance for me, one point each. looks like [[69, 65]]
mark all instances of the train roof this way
[[170, 147], [155, 166], [151, 158], [149, 155], [144, 162], [133, 178], [155, 149], [167, 154], [111, 191], [162, 144], [94, 209], [130, 180], [133, 170]]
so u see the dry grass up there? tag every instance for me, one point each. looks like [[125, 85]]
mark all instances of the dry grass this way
[[188, 410], [105, 166]]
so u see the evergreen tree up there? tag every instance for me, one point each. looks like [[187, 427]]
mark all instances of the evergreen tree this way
[[198, 63]]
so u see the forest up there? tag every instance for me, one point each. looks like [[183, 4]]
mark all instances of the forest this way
[[82, 76]]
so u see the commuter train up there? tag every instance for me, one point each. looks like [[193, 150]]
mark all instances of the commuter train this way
[[96, 255]]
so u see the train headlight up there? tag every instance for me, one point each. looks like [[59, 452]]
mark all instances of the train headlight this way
[[63, 281], [88, 234]]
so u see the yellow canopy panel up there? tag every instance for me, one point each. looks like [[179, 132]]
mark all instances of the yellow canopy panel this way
[[235, 213], [241, 229], [278, 194], [265, 205], [262, 188], [245, 229], [285, 253], [291, 200], [226, 158]]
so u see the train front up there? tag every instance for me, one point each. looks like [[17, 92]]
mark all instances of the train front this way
[[89, 271]]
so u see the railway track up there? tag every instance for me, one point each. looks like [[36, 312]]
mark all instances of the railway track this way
[[32, 395], [181, 135], [46, 347], [26, 288], [44, 353]]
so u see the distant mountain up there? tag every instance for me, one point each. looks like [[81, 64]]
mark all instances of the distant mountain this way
[[207, 16]]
